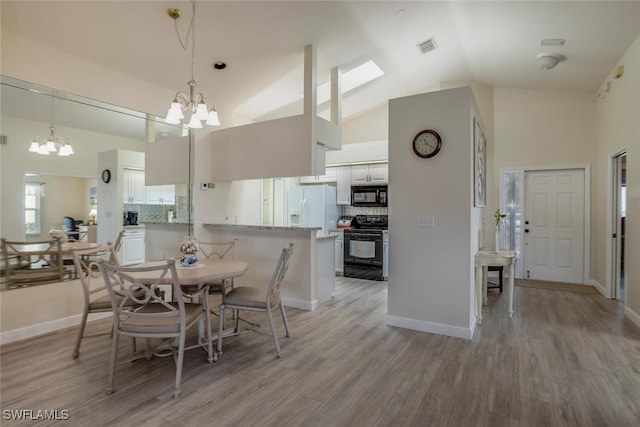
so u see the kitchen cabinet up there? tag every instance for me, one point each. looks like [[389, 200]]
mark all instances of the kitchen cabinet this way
[[88, 233], [372, 174], [385, 255], [133, 190], [133, 250], [343, 185], [339, 253], [160, 195], [329, 176]]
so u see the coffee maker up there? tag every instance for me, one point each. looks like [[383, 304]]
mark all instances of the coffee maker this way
[[130, 218]]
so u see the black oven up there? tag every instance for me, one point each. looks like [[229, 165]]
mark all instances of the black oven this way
[[363, 248], [370, 196]]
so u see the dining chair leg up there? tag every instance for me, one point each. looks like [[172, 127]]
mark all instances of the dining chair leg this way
[[207, 317], [112, 363], [76, 350], [274, 333], [179, 362], [284, 319], [220, 329]]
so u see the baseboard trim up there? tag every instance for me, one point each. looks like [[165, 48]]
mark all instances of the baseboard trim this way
[[46, 327], [603, 290], [300, 304], [434, 328], [632, 315]]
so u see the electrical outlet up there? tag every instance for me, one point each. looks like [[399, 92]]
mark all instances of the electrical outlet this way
[[426, 221]]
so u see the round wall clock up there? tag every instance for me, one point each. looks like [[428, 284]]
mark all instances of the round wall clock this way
[[106, 176], [427, 143]]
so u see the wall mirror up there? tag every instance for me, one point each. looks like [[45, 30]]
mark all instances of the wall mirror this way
[[67, 183]]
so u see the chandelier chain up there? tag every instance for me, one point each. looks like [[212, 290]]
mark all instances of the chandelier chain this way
[[191, 30]]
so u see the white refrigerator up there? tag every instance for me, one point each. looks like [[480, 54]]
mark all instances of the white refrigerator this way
[[313, 206]]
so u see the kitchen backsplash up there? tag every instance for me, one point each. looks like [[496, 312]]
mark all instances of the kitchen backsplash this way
[[153, 213]]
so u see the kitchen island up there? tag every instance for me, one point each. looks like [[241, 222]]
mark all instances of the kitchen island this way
[[310, 279]]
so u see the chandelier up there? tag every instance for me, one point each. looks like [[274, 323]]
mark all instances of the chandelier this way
[[202, 109], [50, 144]]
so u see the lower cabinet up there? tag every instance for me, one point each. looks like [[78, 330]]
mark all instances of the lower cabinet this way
[[132, 251], [340, 253]]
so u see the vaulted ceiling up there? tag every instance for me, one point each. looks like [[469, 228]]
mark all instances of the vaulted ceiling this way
[[262, 43]]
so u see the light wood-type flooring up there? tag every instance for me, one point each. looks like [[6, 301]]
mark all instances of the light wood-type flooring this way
[[565, 359]]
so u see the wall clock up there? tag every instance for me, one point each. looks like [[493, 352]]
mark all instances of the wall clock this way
[[106, 176], [427, 143]]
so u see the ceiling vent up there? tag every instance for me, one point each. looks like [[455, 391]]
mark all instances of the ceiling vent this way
[[552, 42], [427, 46]]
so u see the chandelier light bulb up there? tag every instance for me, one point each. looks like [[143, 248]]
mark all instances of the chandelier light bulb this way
[[212, 119], [51, 146], [202, 111], [34, 147], [43, 150], [195, 123]]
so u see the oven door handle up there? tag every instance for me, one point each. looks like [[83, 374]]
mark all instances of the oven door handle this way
[[364, 236]]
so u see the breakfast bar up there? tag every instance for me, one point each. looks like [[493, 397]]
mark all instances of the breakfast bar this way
[[311, 276]]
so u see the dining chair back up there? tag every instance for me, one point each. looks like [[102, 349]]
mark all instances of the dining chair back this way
[[30, 263], [96, 299], [257, 299], [215, 250], [152, 317]]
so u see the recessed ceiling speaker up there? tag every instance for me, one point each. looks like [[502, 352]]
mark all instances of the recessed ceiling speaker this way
[[547, 61]]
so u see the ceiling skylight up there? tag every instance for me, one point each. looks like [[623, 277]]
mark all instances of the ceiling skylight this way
[[352, 79]]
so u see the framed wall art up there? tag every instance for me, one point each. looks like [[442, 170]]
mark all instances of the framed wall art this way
[[479, 166]]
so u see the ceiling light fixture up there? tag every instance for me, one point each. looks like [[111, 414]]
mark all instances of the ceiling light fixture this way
[[547, 61], [45, 145], [201, 108]]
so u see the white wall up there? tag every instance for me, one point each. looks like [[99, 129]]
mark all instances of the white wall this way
[[431, 269], [618, 128]]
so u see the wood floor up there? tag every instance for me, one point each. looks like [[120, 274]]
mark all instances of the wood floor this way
[[565, 359]]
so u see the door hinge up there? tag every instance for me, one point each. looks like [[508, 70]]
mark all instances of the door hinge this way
[[614, 235]]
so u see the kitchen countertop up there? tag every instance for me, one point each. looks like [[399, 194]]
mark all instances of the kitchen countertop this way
[[164, 223], [259, 227]]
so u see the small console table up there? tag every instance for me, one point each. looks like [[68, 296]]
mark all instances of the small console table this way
[[483, 259]]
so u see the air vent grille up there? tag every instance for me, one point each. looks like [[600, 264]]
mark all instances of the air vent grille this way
[[427, 46], [552, 42]]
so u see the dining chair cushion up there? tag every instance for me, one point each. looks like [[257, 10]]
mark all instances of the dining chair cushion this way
[[160, 325], [250, 297]]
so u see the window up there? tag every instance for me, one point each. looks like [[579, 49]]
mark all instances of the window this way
[[32, 194]]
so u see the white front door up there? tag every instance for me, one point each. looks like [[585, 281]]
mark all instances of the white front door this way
[[554, 225]]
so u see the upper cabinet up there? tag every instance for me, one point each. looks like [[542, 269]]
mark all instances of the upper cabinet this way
[[343, 185], [373, 174], [133, 190], [161, 195], [329, 176]]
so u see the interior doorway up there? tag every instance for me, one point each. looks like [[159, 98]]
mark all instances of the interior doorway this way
[[618, 224]]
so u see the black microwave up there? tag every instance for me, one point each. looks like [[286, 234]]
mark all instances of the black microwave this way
[[374, 196]]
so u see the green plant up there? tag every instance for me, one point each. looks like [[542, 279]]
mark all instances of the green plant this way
[[498, 216]]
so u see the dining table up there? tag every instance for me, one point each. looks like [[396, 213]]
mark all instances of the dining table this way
[[205, 271]]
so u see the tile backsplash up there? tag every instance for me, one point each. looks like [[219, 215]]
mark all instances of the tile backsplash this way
[[358, 210], [158, 213]]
